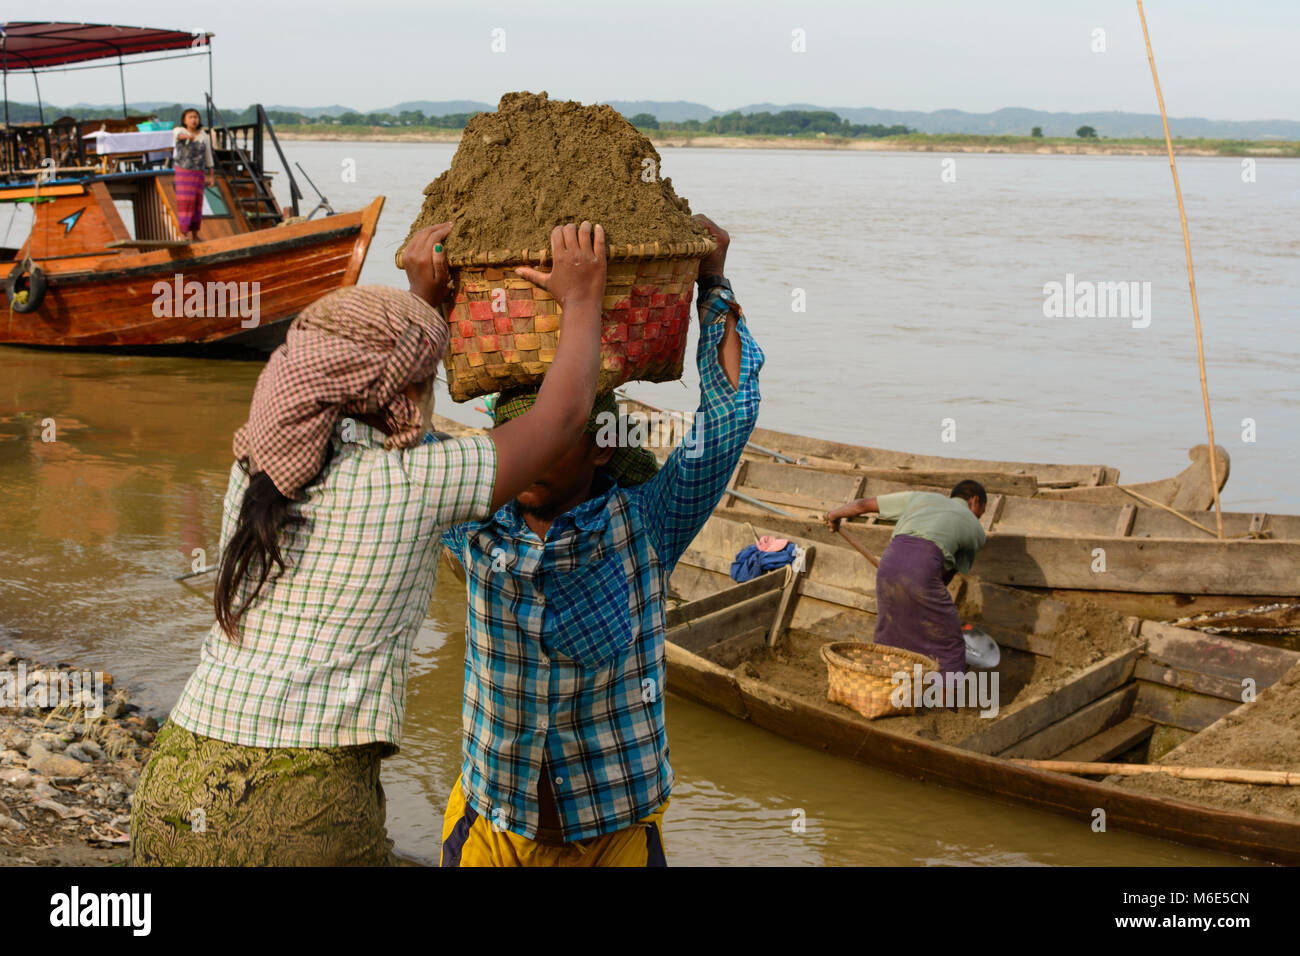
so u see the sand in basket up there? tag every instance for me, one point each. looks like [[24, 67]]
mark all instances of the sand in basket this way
[[519, 172]]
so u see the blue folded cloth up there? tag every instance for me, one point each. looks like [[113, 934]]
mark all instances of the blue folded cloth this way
[[751, 562]]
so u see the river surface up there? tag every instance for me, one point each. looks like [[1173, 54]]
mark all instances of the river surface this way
[[923, 302]]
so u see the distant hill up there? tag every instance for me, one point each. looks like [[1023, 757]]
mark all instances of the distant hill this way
[[1008, 121], [112, 109], [678, 111], [1017, 121], [315, 112], [440, 107]]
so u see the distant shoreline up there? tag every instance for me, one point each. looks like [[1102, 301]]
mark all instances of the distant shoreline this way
[[915, 142]]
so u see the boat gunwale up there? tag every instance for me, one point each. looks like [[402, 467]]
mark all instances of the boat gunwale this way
[[840, 732], [237, 252], [1125, 808]]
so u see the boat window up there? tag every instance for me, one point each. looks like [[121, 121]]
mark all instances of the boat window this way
[[126, 209], [213, 203], [142, 209]]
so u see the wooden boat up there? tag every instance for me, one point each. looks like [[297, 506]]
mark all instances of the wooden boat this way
[[1155, 560], [1138, 701], [1190, 489], [105, 265], [1158, 563]]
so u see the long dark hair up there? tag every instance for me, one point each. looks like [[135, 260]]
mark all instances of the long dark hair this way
[[187, 113], [254, 547]]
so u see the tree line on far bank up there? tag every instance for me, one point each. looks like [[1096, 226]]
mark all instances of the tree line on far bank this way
[[784, 123]]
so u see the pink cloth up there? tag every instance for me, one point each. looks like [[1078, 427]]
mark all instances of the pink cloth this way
[[189, 199], [768, 543], [353, 350]]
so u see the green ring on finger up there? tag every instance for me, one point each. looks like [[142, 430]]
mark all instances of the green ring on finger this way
[[437, 247]]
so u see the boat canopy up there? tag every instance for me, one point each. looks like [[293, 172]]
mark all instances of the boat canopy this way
[[30, 45]]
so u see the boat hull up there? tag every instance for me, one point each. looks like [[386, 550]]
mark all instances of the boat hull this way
[[132, 301], [843, 734], [1174, 682]]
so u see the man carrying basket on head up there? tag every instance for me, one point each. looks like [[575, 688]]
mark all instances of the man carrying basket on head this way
[[565, 751]]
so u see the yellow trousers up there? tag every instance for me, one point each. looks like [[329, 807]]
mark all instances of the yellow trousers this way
[[469, 839]]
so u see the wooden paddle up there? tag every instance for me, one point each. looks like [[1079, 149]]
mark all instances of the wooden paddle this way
[[1285, 778], [857, 547]]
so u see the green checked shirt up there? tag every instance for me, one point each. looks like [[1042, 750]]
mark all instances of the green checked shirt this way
[[323, 652]]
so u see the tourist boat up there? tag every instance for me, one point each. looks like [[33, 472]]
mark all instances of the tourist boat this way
[[105, 265], [1190, 489], [1154, 562], [1160, 688]]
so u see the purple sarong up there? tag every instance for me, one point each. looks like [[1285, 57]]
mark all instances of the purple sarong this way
[[189, 198], [913, 608]]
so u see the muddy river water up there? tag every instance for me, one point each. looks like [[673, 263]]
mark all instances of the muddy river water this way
[[923, 301]]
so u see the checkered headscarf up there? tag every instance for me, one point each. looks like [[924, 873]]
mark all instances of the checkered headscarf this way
[[353, 350]]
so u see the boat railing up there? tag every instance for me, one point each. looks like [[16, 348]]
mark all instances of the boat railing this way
[[241, 161], [240, 136], [294, 192], [26, 151], [65, 148]]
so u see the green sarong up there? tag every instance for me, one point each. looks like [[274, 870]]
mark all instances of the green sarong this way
[[203, 802]]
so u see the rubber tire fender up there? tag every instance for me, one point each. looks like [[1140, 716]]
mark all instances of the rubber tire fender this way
[[35, 288]]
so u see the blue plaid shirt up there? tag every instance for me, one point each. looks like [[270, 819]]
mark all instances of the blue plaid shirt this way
[[564, 642]]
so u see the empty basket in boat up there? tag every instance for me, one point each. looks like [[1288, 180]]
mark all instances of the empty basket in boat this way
[[861, 676], [504, 329]]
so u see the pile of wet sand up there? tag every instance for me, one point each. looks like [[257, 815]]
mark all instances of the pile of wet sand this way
[[1263, 735], [537, 163]]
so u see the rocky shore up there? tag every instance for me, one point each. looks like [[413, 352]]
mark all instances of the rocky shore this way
[[68, 767]]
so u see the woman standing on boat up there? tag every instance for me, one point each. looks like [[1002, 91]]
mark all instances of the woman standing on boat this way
[[330, 543], [193, 164]]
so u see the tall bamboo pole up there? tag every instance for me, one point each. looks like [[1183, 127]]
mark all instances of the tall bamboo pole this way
[[1191, 279]]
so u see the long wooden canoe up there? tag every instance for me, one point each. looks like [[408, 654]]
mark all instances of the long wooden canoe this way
[[1173, 560], [1138, 702], [1154, 559], [1098, 484]]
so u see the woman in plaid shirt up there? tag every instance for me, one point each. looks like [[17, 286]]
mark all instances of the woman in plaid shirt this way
[[329, 551]]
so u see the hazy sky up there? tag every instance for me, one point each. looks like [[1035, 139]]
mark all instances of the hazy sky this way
[[1222, 60]]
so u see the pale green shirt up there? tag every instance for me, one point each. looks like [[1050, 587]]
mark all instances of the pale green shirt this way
[[947, 522], [323, 654]]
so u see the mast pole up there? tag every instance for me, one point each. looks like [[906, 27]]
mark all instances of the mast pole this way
[[1191, 280], [121, 75], [210, 99], [4, 69]]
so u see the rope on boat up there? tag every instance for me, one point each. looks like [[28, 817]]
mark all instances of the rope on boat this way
[[1191, 277], [1156, 504]]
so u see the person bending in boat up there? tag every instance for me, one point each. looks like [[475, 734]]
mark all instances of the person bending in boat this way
[[330, 544], [933, 538], [193, 169], [565, 753]]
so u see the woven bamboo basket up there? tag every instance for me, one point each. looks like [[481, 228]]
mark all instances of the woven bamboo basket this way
[[860, 676], [504, 329]]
